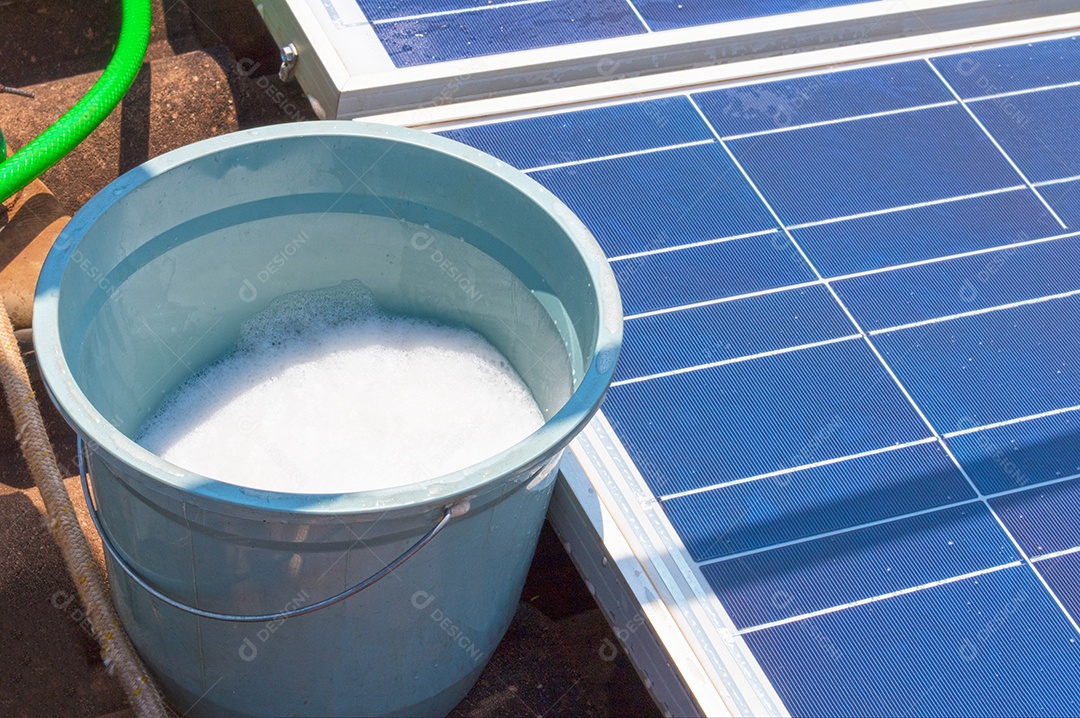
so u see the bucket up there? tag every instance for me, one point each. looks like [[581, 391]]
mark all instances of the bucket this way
[[247, 602]]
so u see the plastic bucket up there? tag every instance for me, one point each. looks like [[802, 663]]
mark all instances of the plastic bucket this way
[[151, 280]]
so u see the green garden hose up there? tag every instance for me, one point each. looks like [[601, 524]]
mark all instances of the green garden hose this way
[[65, 134]]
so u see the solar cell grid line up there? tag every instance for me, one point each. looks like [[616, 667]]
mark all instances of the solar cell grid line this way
[[633, 153], [876, 599], [1025, 91], [905, 207], [975, 312], [667, 497], [959, 255], [839, 120], [915, 406], [690, 245], [721, 300], [737, 360], [1063, 180], [795, 469], [1057, 554], [833, 532], [641, 18], [1009, 422]]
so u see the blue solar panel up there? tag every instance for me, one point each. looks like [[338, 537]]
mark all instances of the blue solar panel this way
[[417, 32], [851, 374]]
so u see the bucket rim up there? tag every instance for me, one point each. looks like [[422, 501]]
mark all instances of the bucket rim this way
[[472, 481]]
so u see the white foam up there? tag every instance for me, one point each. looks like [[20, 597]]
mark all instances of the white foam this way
[[327, 393]]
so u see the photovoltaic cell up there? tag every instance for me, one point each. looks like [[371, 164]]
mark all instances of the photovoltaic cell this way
[[921, 233], [820, 98], [964, 284], [795, 505], [990, 367], [1065, 199], [1044, 519], [873, 565], [505, 28], [715, 332], [660, 199], [1037, 130], [1014, 67], [842, 169], [666, 15], [774, 413], [1062, 573], [587, 134], [855, 565], [709, 272], [1010, 457]]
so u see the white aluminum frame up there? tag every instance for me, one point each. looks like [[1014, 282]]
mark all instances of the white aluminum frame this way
[[347, 74]]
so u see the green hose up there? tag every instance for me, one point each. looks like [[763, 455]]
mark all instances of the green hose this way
[[53, 144]]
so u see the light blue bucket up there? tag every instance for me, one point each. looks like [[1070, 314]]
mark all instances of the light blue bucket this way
[[151, 281]]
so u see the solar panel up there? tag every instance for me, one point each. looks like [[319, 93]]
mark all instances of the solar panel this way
[[846, 422], [360, 57]]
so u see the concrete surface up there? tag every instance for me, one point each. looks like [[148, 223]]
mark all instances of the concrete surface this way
[[210, 69]]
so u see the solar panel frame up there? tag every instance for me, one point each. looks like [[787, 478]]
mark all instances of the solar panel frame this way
[[348, 72]]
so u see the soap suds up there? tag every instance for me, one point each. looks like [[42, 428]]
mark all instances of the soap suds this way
[[325, 392]]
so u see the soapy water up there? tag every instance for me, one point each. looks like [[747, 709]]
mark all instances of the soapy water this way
[[325, 392]]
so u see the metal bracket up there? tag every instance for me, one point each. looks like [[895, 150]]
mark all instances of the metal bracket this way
[[288, 62]]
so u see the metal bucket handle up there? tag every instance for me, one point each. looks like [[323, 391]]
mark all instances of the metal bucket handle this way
[[456, 509]]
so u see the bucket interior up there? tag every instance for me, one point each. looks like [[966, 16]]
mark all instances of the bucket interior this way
[[161, 280]]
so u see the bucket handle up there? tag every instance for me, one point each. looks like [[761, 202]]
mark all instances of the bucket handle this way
[[458, 508]]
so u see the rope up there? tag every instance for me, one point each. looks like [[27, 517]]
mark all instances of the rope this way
[[116, 648]]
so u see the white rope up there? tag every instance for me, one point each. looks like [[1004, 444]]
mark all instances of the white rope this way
[[116, 648]]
